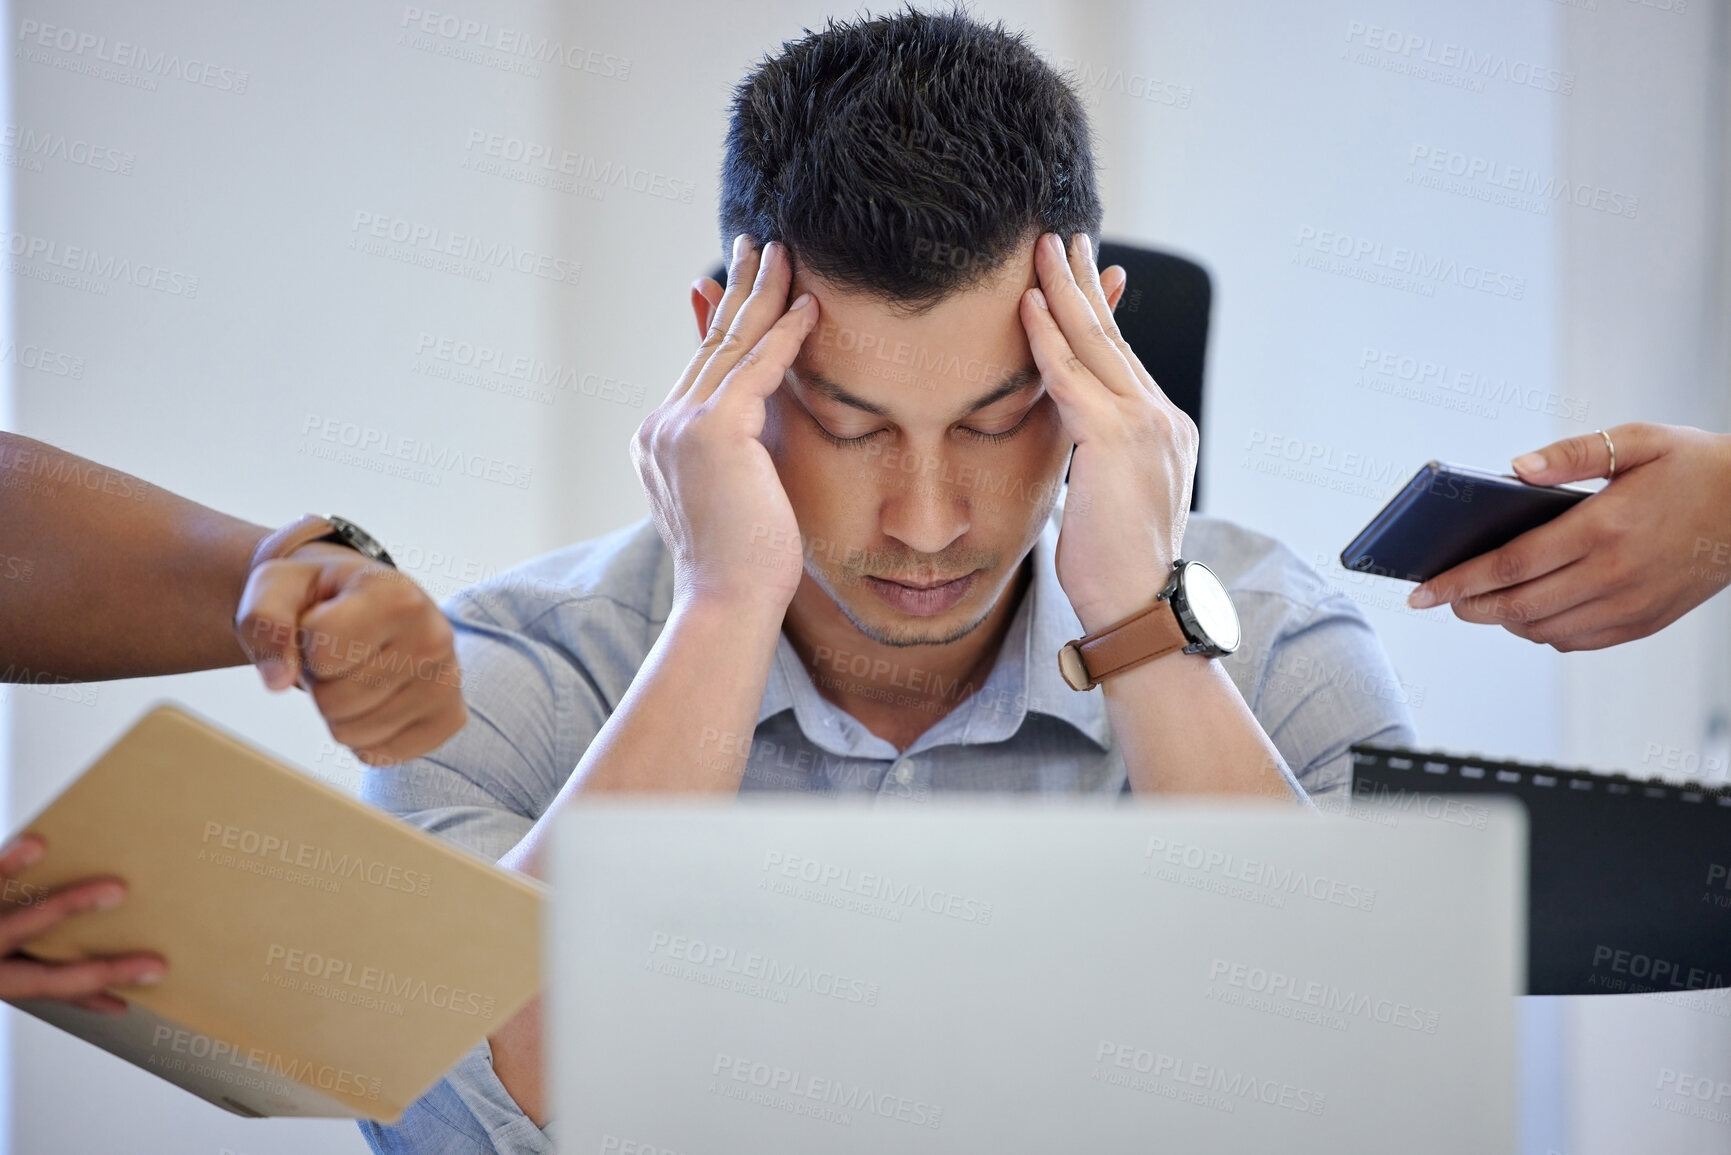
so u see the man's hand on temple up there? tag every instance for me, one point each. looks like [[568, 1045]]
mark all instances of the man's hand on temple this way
[[1135, 456], [714, 492]]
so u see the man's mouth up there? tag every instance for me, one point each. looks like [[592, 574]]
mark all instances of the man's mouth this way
[[924, 584], [922, 598]]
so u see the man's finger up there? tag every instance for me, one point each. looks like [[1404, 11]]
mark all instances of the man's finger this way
[[365, 609], [1587, 456], [1070, 382], [760, 371], [1069, 307], [762, 310], [1532, 555], [277, 593], [363, 724], [743, 269], [417, 739]]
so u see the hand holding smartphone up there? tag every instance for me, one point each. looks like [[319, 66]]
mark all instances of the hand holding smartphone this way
[[1448, 514]]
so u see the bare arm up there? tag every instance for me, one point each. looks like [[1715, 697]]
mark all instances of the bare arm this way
[[107, 576]]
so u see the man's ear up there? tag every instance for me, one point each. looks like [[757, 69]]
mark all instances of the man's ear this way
[[705, 300], [1112, 282]]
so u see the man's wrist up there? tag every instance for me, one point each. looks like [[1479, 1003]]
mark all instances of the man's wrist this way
[[285, 539]]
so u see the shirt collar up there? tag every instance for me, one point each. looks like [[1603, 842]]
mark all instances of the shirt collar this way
[[1024, 679]]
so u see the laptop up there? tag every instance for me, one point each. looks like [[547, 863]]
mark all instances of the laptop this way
[[1008, 976]]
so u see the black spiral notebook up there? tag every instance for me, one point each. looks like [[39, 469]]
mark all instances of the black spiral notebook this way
[[1629, 886]]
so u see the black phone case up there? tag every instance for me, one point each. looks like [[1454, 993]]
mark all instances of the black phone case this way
[[1446, 515]]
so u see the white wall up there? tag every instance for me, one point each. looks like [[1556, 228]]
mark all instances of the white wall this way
[[1261, 133]]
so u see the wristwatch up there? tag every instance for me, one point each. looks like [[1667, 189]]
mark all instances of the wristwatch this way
[[311, 528], [1194, 613]]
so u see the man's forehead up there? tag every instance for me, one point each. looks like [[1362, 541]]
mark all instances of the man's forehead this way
[[993, 383]]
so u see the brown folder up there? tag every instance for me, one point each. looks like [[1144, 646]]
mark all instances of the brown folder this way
[[324, 958]]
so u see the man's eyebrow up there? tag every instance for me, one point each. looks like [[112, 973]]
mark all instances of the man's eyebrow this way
[[1009, 387]]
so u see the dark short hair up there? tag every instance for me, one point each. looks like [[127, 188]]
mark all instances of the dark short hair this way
[[906, 155]]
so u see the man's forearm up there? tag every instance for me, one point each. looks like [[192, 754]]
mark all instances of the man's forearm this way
[[685, 726], [1185, 729], [106, 576], [686, 723]]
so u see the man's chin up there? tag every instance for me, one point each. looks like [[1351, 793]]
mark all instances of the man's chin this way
[[886, 627]]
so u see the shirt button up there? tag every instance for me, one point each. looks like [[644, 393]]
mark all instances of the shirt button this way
[[904, 772]]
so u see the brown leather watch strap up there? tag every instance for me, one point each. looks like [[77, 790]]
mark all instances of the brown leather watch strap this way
[[284, 541], [1142, 637]]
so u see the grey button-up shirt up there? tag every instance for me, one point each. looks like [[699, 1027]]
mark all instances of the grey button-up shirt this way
[[549, 648]]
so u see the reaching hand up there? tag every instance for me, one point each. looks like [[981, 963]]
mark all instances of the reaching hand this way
[[374, 650], [1626, 562]]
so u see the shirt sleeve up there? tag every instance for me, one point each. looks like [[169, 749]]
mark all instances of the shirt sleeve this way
[[1327, 684], [532, 713], [469, 1112], [533, 710]]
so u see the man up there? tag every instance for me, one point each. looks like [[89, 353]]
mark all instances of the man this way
[[851, 579], [103, 575]]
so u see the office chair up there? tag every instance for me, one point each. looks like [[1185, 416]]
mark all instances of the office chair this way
[[1164, 317]]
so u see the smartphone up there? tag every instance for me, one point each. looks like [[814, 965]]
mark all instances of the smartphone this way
[[1447, 514]]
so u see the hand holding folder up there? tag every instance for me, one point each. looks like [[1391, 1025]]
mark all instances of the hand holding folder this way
[[324, 958]]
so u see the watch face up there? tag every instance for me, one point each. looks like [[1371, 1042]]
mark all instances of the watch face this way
[[1210, 607]]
